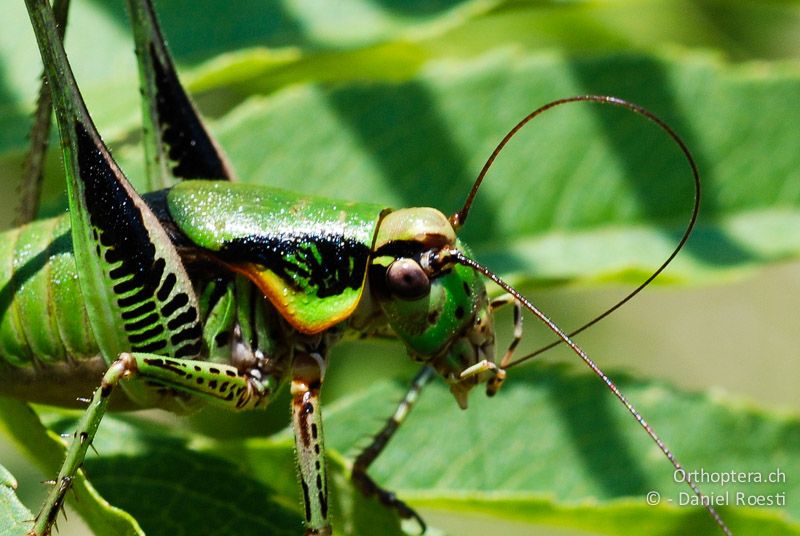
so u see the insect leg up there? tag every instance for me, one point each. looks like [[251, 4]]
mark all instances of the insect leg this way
[[138, 294], [87, 427], [497, 304], [308, 371], [496, 381], [361, 479], [33, 168], [177, 143], [222, 385]]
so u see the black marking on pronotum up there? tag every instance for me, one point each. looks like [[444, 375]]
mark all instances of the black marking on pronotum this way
[[138, 275], [190, 147], [328, 262]]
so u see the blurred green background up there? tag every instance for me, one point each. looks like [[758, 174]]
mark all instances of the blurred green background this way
[[401, 102]]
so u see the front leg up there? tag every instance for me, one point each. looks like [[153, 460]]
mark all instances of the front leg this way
[[361, 479], [307, 374]]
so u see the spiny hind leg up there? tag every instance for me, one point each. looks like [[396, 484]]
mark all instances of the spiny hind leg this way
[[30, 188], [87, 427], [359, 476], [222, 385], [177, 143]]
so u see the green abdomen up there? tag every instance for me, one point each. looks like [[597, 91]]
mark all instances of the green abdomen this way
[[42, 313]]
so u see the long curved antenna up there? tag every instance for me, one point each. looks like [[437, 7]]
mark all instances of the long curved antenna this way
[[454, 255], [459, 218]]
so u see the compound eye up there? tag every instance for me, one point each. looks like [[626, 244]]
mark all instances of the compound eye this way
[[407, 280]]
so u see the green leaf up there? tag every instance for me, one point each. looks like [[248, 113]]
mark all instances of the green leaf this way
[[206, 487], [15, 519], [45, 448], [401, 103], [555, 448]]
